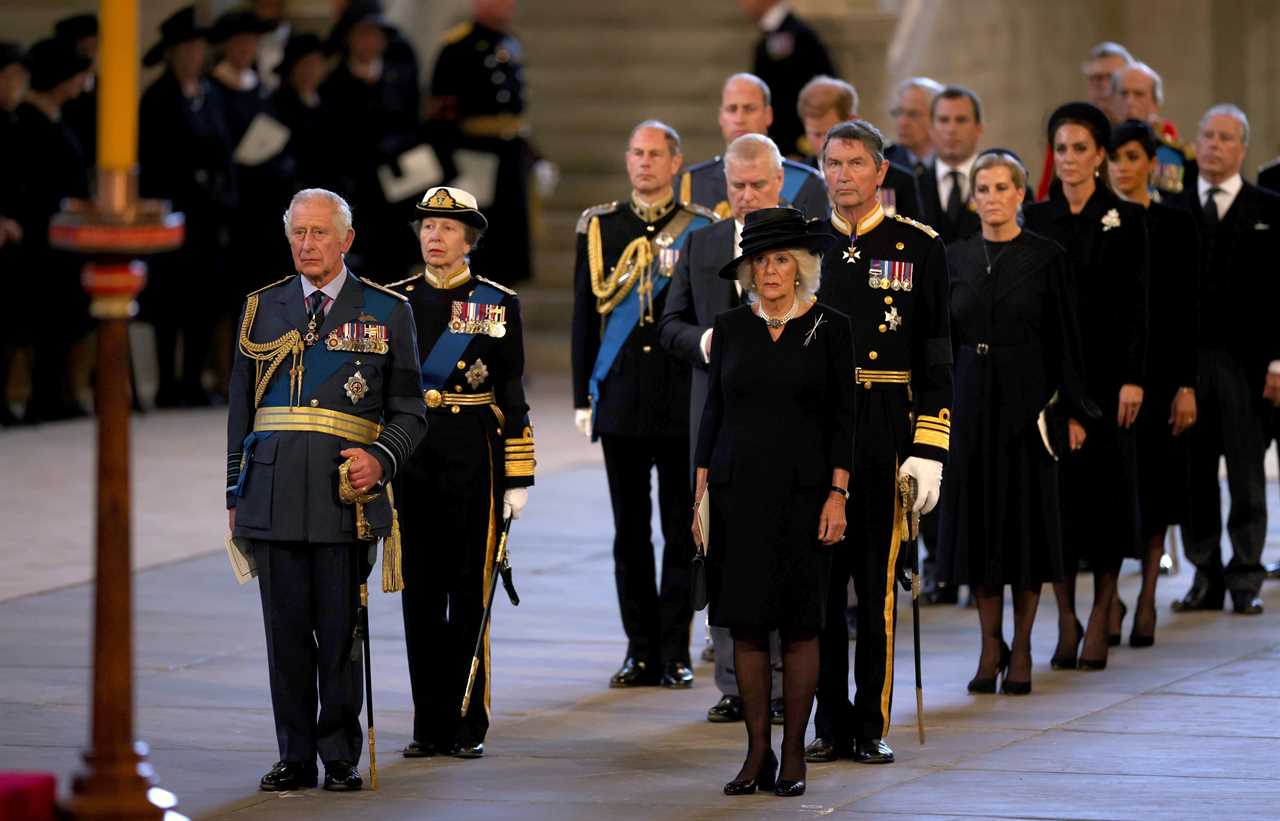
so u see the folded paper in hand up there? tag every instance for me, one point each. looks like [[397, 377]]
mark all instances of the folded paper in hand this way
[[704, 519], [477, 174], [241, 556], [419, 170], [263, 139]]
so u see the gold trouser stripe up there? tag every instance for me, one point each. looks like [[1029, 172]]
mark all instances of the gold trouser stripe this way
[[490, 555], [503, 126], [317, 420], [891, 604]]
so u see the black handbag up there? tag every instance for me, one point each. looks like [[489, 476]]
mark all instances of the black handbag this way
[[698, 579]]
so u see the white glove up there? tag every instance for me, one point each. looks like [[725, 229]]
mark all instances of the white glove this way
[[928, 476], [582, 420], [513, 501], [705, 344]]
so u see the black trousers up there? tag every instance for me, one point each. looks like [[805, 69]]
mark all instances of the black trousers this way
[[445, 496], [869, 555], [1231, 424], [657, 622], [310, 593]]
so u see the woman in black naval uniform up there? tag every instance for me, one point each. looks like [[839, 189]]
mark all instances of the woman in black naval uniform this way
[[1106, 240], [469, 474]]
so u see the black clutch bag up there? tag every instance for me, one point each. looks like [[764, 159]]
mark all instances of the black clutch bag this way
[[698, 579]]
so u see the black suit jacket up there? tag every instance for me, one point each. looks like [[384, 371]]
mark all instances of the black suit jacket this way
[[696, 296], [1268, 176], [935, 210]]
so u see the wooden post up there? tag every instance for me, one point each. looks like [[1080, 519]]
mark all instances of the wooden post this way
[[111, 231]]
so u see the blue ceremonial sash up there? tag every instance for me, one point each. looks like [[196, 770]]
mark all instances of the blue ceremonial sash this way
[[793, 180], [318, 363], [247, 447], [449, 346]]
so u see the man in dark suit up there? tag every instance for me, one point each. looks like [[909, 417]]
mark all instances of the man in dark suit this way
[[753, 173], [956, 125], [825, 101], [325, 374], [912, 147], [634, 398], [788, 54], [1239, 365]]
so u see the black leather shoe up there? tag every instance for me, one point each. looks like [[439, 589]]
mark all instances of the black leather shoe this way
[[726, 711], [776, 715], [872, 751], [633, 673], [1199, 598], [789, 789], [764, 779], [418, 749], [676, 675], [341, 776], [289, 775], [464, 749], [1246, 604], [821, 750]]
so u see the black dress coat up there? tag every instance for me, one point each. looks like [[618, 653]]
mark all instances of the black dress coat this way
[[786, 59], [778, 420], [1000, 520], [1107, 245]]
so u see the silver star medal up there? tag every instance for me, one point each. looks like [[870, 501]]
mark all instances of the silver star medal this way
[[477, 373], [853, 255], [892, 318], [356, 387]]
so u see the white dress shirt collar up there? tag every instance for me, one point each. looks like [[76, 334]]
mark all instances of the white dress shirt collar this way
[[331, 290], [942, 170]]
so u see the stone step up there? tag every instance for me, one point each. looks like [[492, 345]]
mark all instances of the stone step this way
[[622, 45]]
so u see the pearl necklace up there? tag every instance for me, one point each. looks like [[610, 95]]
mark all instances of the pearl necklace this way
[[776, 323]]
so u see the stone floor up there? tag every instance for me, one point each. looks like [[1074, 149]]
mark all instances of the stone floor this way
[[1187, 729]]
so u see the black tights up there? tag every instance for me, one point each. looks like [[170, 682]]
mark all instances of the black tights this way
[[799, 681], [991, 618]]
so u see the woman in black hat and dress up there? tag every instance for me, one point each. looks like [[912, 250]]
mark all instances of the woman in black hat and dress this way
[[775, 450], [301, 109], [1017, 350], [1106, 242]]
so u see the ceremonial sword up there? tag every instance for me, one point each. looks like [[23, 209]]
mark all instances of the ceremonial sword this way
[[501, 568], [910, 529]]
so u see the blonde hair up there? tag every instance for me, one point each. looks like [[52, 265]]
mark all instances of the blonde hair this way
[[808, 270]]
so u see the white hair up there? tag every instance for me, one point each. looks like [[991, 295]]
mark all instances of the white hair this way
[[341, 210], [808, 267], [928, 85], [751, 147], [1157, 84], [1228, 110]]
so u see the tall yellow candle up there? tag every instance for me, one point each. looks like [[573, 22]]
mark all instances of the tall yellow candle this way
[[118, 62]]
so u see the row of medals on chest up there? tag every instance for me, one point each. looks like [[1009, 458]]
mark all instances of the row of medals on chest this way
[[881, 279]]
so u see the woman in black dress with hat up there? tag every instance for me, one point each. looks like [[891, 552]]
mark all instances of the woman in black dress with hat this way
[[1017, 352], [775, 449], [1106, 241]]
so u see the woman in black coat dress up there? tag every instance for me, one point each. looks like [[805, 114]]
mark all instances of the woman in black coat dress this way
[[775, 447], [1106, 241], [1164, 459], [1017, 352]]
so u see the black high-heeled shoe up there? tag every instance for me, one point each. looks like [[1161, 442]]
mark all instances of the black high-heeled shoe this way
[[1137, 639], [789, 789], [987, 686], [1113, 639], [1091, 664], [1069, 662], [764, 780]]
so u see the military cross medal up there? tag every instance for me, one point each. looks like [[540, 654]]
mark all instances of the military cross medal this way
[[892, 319], [852, 255], [311, 337]]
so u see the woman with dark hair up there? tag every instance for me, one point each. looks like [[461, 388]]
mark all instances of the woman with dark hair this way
[[1164, 482], [1017, 353], [1106, 241], [776, 448]]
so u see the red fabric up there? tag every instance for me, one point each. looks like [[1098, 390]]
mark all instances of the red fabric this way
[[1046, 176], [27, 796]]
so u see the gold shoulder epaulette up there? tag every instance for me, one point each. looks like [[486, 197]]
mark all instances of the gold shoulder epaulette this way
[[383, 288], [497, 285], [269, 287], [1189, 151], [406, 279], [456, 33], [595, 211], [701, 210], [932, 233]]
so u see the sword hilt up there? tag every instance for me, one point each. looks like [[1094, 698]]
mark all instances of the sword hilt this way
[[471, 683]]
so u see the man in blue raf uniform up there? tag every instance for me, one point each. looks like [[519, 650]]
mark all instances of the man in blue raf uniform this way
[[745, 108], [471, 471], [891, 280], [635, 398], [325, 375]]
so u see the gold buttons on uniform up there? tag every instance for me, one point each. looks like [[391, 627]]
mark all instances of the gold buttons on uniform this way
[[647, 348], [888, 300], [883, 328], [315, 403], [899, 246], [457, 389], [873, 356], [409, 287], [462, 365], [455, 409]]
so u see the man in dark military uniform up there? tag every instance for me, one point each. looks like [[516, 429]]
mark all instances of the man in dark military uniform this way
[[634, 398], [1138, 92], [325, 392], [477, 105], [184, 156], [745, 108], [891, 279], [470, 473]]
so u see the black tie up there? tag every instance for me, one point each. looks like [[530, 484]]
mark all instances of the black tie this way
[[315, 304], [954, 202], [1211, 216]]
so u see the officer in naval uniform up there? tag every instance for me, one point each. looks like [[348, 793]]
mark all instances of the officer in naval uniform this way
[[470, 473], [745, 109], [325, 403], [634, 397], [891, 280]]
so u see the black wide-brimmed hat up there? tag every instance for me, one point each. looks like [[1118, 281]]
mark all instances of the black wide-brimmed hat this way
[[76, 27], [10, 53], [180, 27], [772, 228], [240, 21], [299, 46], [53, 61], [454, 203], [1082, 112], [360, 11]]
